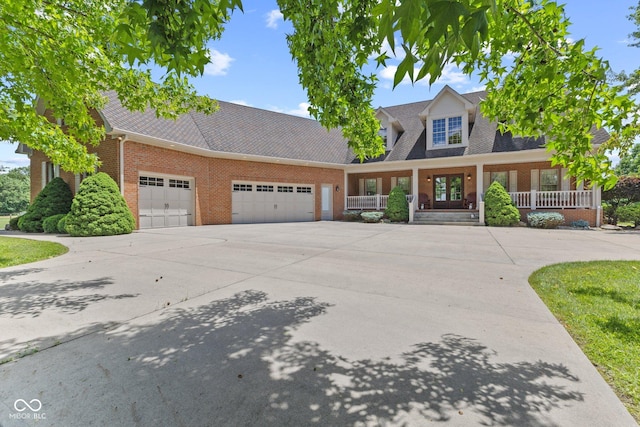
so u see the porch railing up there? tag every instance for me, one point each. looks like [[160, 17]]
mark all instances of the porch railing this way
[[376, 202], [553, 199]]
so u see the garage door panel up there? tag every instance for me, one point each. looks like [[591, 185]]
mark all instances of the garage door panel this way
[[256, 202], [164, 202]]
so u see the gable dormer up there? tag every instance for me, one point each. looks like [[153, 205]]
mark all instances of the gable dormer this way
[[390, 128], [446, 120]]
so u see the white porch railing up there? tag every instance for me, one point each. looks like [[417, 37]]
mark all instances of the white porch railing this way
[[553, 199], [376, 202]]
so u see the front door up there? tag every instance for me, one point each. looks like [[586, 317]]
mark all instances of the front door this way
[[327, 202], [447, 191]]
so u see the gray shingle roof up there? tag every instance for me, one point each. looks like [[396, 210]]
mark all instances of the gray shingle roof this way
[[252, 131]]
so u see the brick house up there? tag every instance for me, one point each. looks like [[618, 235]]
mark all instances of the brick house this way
[[246, 165]]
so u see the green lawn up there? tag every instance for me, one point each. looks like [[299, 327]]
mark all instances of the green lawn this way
[[3, 221], [599, 304], [15, 251]]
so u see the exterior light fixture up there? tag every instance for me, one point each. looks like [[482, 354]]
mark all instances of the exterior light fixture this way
[[469, 177], [429, 178], [337, 188]]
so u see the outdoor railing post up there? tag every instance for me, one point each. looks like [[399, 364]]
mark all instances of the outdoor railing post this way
[[534, 202], [377, 202]]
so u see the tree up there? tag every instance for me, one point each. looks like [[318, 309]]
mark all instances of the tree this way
[[539, 82], [630, 163], [625, 192], [99, 209], [397, 205], [499, 208], [632, 80], [14, 190], [55, 198]]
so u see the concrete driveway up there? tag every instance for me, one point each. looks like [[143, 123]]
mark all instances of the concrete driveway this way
[[325, 323]]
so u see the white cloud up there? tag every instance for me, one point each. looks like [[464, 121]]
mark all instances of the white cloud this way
[[451, 75], [386, 49], [273, 18], [219, 65], [241, 102], [478, 88]]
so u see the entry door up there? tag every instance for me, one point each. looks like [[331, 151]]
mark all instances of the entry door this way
[[448, 191], [327, 202]]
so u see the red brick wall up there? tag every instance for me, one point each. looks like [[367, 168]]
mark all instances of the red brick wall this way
[[213, 177], [570, 215]]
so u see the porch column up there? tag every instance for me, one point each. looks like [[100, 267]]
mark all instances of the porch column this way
[[479, 189], [345, 190], [414, 192]]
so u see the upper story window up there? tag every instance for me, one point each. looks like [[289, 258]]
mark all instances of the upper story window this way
[[383, 134], [447, 131]]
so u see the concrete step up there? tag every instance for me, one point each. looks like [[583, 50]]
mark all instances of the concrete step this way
[[459, 217]]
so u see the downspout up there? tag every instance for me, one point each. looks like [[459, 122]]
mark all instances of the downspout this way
[[122, 139]]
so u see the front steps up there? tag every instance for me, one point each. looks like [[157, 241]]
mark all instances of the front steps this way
[[447, 217]]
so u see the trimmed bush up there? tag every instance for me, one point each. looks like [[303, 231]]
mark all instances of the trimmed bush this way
[[99, 209], [62, 225], [55, 198], [581, 223], [50, 224], [499, 209], [545, 219], [630, 213], [351, 215], [372, 216], [13, 223], [397, 206]]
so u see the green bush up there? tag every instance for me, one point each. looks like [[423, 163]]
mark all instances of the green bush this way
[[372, 216], [62, 225], [397, 206], [351, 215], [498, 207], [99, 209], [630, 213], [581, 223], [13, 223], [50, 224], [545, 219], [55, 198]]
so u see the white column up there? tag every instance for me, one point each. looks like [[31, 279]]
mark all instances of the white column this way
[[345, 189], [533, 199], [479, 191]]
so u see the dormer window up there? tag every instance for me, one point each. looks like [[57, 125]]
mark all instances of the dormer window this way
[[383, 134], [447, 131]]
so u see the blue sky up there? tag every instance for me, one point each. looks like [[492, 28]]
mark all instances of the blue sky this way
[[251, 64]]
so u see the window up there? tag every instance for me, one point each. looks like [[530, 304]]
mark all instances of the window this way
[[549, 180], [447, 131], [383, 134], [303, 189], [242, 187], [285, 189], [264, 188], [150, 181], [405, 183], [371, 187], [500, 177], [179, 183]]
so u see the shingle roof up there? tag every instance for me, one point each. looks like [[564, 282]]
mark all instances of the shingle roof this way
[[252, 131]]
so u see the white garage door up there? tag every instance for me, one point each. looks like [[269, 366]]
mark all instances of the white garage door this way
[[254, 202], [165, 202]]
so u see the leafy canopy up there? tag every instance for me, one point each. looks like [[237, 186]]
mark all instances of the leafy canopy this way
[[14, 190], [539, 82]]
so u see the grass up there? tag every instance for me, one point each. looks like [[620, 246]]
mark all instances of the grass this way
[[15, 251], [598, 302], [3, 221]]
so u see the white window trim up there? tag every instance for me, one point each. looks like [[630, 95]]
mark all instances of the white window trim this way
[[465, 131]]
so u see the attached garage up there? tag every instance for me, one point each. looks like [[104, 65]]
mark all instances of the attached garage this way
[[165, 201], [256, 202]]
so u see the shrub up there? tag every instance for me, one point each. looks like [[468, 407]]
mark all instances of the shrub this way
[[545, 219], [372, 216], [581, 223], [499, 209], [397, 206], [55, 198], [625, 192], [630, 213], [62, 225], [99, 209], [50, 224], [13, 223], [351, 215]]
